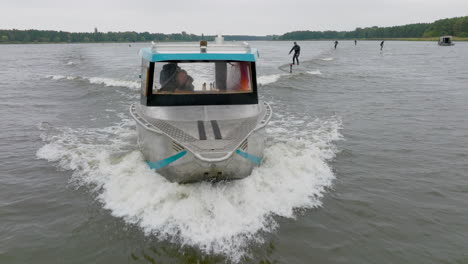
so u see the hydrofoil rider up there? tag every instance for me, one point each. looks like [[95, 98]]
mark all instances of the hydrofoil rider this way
[[297, 52]]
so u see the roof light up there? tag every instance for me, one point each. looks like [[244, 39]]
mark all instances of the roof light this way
[[203, 46]]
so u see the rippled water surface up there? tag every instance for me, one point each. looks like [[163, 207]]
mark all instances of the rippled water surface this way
[[366, 161]]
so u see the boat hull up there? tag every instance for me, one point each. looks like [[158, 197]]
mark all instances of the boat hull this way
[[445, 44], [178, 163], [188, 168]]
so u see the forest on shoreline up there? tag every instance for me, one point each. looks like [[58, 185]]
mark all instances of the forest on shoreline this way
[[457, 27]]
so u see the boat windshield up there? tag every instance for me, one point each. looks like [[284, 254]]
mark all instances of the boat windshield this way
[[202, 77]]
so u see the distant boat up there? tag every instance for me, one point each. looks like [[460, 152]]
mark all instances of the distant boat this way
[[445, 41], [199, 117]]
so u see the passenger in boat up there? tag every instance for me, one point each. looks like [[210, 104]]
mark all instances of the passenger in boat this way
[[184, 82], [167, 76], [297, 52], [173, 78]]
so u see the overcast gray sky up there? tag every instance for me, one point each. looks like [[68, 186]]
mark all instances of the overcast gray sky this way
[[252, 17]]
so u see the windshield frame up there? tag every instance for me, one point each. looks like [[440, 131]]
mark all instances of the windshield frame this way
[[149, 98]]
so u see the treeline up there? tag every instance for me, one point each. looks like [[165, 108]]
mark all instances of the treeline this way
[[246, 37], [36, 36], [457, 26], [48, 36]]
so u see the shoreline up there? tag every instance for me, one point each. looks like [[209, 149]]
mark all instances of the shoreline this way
[[460, 39]]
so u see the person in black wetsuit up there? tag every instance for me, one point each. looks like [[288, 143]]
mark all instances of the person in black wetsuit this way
[[297, 52], [381, 44], [336, 43]]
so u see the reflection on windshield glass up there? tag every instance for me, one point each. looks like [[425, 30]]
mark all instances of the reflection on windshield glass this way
[[202, 77]]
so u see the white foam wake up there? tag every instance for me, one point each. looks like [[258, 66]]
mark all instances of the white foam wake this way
[[223, 218], [267, 79], [316, 72], [60, 77], [133, 85]]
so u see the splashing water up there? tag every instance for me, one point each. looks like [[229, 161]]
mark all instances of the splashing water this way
[[132, 85], [267, 79], [222, 218], [316, 72]]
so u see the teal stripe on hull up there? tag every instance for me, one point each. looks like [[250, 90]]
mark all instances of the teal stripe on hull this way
[[250, 157], [162, 163]]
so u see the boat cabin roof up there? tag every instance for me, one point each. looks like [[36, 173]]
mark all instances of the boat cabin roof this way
[[234, 51]]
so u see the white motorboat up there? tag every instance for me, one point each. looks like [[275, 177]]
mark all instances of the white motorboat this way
[[445, 41], [199, 117]]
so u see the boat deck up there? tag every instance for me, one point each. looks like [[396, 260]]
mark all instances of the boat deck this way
[[210, 139]]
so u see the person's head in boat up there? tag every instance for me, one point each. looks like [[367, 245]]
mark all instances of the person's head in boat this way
[[170, 69], [183, 81], [181, 77], [168, 74]]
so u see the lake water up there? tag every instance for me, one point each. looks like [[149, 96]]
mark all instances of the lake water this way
[[367, 161]]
